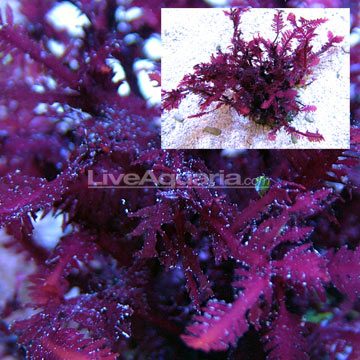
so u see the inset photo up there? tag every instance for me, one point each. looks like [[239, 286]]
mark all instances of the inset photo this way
[[255, 79]]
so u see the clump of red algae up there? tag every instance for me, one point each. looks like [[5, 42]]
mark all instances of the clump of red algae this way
[[260, 78]]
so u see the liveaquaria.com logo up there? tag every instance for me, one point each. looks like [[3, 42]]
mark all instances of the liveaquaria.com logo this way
[[150, 179]]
